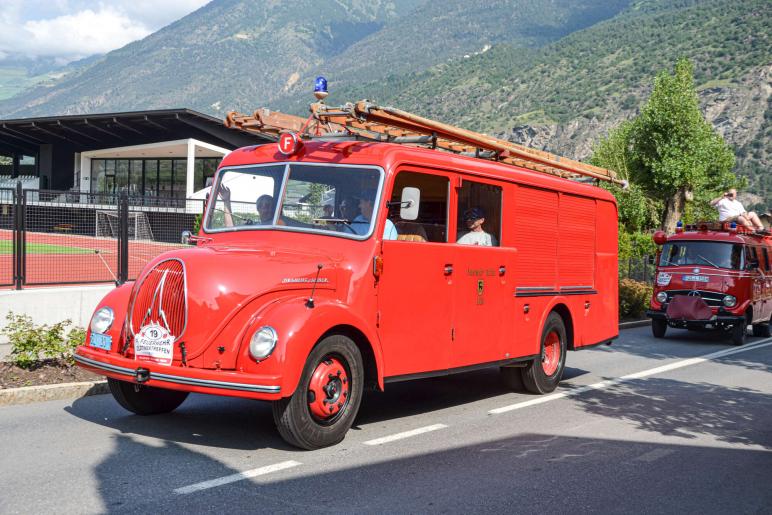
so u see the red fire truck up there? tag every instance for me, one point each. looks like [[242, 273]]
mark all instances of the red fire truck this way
[[332, 264], [713, 276]]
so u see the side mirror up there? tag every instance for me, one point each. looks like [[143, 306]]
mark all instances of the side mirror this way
[[185, 238], [411, 200]]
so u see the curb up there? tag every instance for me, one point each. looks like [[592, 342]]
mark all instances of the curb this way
[[51, 392], [635, 323]]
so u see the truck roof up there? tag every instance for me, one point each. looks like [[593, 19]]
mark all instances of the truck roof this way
[[391, 155]]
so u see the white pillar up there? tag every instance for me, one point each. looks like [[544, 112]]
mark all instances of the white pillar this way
[[189, 189], [85, 174]]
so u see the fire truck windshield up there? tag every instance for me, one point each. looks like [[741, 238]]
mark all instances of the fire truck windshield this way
[[311, 198], [703, 253]]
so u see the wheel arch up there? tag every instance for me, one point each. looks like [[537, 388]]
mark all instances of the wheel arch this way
[[568, 321], [373, 379]]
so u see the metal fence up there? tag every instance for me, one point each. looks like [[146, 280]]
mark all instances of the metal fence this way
[[55, 237], [639, 268]]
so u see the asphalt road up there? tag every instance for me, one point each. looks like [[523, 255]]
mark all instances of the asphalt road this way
[[641, 426]]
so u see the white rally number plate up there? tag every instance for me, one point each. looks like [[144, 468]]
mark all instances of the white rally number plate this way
[[695, 278], [153, 343]]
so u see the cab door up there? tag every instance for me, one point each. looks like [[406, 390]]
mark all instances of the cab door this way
[[415, 300], [483, 272]]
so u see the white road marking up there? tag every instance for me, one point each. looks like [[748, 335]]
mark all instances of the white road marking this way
[[602, 385], [212, 483], [406, 434]]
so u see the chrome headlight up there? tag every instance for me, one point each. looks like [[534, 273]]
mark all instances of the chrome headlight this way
[[662, 297], [263, 342], [102, 320], [729, 301]]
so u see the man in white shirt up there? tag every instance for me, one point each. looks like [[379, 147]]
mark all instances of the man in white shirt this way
[[731, 210], [474, 219]]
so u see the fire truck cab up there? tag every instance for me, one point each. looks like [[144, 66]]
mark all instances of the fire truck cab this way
[[713, 276], [324, 267]]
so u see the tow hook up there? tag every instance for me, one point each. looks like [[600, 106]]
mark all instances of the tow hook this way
[[142, 375]]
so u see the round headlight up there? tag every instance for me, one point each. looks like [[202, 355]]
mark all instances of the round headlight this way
[[263, 342], [102, 320], [730, 301], [662, 297]]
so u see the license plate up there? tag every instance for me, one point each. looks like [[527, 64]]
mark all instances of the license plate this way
[[101, 341], [695, 278], [154, 344]]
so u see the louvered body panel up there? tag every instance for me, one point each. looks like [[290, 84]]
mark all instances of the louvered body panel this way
[[576, 245]]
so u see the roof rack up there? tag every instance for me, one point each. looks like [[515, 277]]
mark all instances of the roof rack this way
[[726, 227], [368, 121]]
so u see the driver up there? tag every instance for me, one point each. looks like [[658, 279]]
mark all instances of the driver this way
[[263, 205]]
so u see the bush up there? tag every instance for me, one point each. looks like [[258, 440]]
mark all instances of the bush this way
[[31, 344], [634, 298]]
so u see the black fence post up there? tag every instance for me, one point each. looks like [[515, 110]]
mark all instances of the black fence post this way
[[123, 238], [18, 236]]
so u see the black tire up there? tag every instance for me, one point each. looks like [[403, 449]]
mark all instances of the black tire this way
[[145, 400], [534, 377], [292, 415], [763, 330], [658, 327], [739, 334], [512, 378]]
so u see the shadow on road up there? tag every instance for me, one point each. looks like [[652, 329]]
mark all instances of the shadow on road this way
[[529, 473], [685, 410]]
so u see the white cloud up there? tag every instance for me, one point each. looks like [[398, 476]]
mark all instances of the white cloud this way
[[67, 30]]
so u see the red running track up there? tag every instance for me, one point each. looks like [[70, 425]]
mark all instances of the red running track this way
[[98, 265]]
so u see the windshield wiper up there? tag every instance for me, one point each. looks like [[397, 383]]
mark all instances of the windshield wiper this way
[[708, 261], [341, 221]]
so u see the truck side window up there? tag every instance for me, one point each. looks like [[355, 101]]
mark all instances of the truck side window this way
[[479, 214], [432, 222]]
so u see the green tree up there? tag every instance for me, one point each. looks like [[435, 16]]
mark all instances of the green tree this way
[[673, 151]]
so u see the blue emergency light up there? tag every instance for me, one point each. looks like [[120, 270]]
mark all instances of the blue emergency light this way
[[320, 87], [679, 226], [733, 225]]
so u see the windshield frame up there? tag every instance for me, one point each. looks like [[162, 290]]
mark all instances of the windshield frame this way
[[668, 264], [285, 178]]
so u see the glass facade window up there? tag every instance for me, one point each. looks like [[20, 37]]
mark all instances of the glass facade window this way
[[149, 177]]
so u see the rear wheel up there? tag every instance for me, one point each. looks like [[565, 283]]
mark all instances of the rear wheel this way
[[327, 398], [762, 329], [145, 400], [543, 374], [658, 327]]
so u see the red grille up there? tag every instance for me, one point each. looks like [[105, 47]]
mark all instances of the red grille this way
[[161, 292]]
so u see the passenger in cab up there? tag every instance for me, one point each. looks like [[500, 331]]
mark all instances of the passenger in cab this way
[[361, 224], [263, 205], [474, 218], [731, 210]]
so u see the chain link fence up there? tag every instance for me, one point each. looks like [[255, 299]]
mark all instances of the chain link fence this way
[[55, 237], [641, 269]]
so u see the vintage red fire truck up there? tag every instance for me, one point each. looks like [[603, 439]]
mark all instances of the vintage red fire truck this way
[[329, 265], [713, 276]]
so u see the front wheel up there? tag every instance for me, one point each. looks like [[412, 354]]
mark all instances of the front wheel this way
[[145, 400], [658, 327], [327, 398], [739, 334], [543, 374], [763, 329]]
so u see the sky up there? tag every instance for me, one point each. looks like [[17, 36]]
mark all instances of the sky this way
[[68, 30]]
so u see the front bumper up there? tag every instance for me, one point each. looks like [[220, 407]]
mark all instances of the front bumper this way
[[216, 382], [721, 319]]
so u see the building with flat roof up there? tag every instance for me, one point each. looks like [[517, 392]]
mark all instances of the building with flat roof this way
[[161, 153]]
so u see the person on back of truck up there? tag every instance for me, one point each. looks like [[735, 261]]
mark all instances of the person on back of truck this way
[[731, 210]]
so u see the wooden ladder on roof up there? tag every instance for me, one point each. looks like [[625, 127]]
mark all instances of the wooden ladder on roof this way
[[376, 123]]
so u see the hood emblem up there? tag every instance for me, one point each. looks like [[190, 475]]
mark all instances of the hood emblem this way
[[696, 270]]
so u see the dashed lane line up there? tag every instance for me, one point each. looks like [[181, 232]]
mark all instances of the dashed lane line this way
[[406, 434], [237, 477], [602, 385]]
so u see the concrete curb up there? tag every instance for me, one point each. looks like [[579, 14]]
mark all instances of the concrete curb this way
[[56, 392], [51, 392], [635, 323]]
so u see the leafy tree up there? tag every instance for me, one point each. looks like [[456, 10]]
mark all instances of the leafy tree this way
[[673, 151], [669, 153]]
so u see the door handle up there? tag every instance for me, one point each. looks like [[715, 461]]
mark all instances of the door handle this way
[[587, 304], [448, 269]]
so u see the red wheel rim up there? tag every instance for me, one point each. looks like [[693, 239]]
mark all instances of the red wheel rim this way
[[550, 354], [329, 389]]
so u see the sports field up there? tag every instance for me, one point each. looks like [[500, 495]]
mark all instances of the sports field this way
[[68, 258]]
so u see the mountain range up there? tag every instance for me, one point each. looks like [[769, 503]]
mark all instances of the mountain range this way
[[552, 74]]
